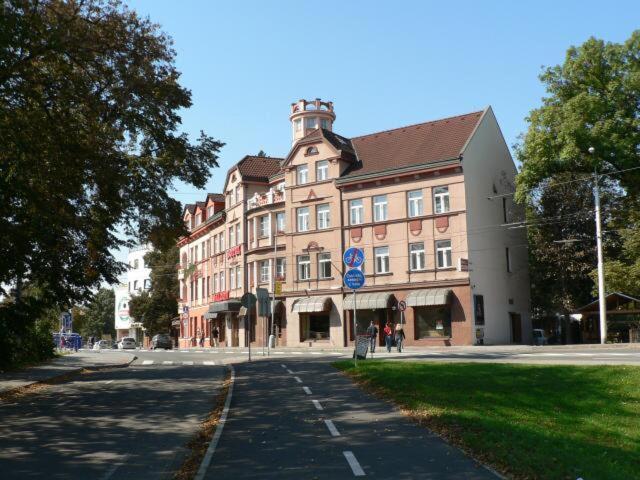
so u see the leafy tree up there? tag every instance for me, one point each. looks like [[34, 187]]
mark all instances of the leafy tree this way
[[593, 100], [90, 105], [99, 314], [158, 307]]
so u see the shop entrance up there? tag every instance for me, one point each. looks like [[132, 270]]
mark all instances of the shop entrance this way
[[314, 327], [516, 327], [235, 330]]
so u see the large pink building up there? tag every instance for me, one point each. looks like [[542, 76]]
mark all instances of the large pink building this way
[[429, 204]]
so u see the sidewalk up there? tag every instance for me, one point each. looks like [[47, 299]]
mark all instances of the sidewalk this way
[[73, 362]]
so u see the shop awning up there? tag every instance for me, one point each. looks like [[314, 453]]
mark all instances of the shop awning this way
[[428, 297], [175, 322], [312, 304], [222, 307], [368, 300]]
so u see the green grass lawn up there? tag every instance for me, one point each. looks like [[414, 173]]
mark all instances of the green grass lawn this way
[[527, 421]]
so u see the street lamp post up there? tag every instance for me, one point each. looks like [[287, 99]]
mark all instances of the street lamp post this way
[[601, 296]]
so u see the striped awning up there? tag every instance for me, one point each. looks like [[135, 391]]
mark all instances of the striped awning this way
[[428, 297], [368, 300], [312, 304]]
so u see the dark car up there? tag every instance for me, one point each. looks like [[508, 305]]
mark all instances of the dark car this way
[[161, 340]]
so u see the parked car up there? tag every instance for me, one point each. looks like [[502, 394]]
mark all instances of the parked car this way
[[127, 343], [100, 344], [539, 338], [162, 340]]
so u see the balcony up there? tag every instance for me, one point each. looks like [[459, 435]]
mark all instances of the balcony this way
[[266, 198]]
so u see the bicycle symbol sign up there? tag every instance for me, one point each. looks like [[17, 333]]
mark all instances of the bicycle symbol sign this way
[[353, 257]]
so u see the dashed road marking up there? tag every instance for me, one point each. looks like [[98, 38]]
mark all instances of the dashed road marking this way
[[316, 404], [187, 363], [184, 351], [283, 365], [298, 379], [316, 353], [280, 353], [167, 362], [332, 428], [289, 371], [199, 351], [307, 390], [354, 464], [147, 362], [208, 362], [297, 353]]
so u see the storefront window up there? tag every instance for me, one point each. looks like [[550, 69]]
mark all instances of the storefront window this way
[[314, 326], [432, 322]]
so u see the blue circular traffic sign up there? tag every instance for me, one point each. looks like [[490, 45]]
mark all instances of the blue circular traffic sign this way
[[354, 279], [353, 257]]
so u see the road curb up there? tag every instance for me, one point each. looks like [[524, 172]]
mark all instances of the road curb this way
[[206, 460], [61, 376]]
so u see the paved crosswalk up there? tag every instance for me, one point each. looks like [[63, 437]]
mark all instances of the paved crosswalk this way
[[171, 362]]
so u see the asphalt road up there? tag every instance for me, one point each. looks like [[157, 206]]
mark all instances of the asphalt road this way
[[127, 423], [302, 419]]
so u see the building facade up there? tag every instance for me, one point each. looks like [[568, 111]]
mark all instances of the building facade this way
[[136, 280], [429, 205]]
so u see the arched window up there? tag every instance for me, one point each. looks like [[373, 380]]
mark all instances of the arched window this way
[[311, 151]]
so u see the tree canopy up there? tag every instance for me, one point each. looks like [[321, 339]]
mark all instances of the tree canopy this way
[[592, 100], [158, 307], [90, 105]]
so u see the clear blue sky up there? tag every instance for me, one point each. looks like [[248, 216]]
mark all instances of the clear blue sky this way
[[383, 64]]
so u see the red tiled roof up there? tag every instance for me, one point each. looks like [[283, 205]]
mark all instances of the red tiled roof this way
[[215, 197], [258, 168], [412, 145]]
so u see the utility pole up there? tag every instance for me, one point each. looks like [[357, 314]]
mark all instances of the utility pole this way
[[601, 296]]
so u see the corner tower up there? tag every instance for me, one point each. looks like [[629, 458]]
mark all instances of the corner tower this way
[[307, 116]]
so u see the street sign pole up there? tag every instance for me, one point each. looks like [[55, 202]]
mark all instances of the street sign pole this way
[[355, 332], [248, 331]]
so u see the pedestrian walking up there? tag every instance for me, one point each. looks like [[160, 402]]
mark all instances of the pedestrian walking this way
[[388, 336], [202, 339], [399, 337], [215, 334], [372, 331]]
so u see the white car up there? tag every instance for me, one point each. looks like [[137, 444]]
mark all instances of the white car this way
[[127, 343], [100, 344]]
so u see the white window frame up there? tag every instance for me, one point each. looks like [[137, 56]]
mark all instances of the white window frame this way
[[302, 174], [304, 266], [324, 262], [198, 219], [356, 211], [215, 283], [416, 256], [223, 281], [324, 123], [443, 254], [441, 201], [323, 216], [238, 235], [238, 277], [302, 215], [232, 236], [380, 208], [281, 268], [280, 221], [322, 170], [264, 271], [264, 226], [381, 255], [311, 122], [232, 278], [297, 125], [415, 203]]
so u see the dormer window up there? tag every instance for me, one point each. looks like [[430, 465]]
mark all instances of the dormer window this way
[[198, 219], [210, 212], [311, 151]]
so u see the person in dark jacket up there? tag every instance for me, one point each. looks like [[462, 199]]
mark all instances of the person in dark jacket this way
[[372, 331]]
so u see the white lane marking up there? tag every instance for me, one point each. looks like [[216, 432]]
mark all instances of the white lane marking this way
[[184, 351], [279, 353], [208, 362], [283, 365], [147, 362], [213, 351], [199, 351], [298, 379], [336, 353], [109, 473], [307, 390], [332, 428], [316, 353], [206, 460], [316, 404], [167, 362], [228, 351], [245, 351], [297, 353], [289, 371], [353, 463], [108, 381], [187, 363]]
